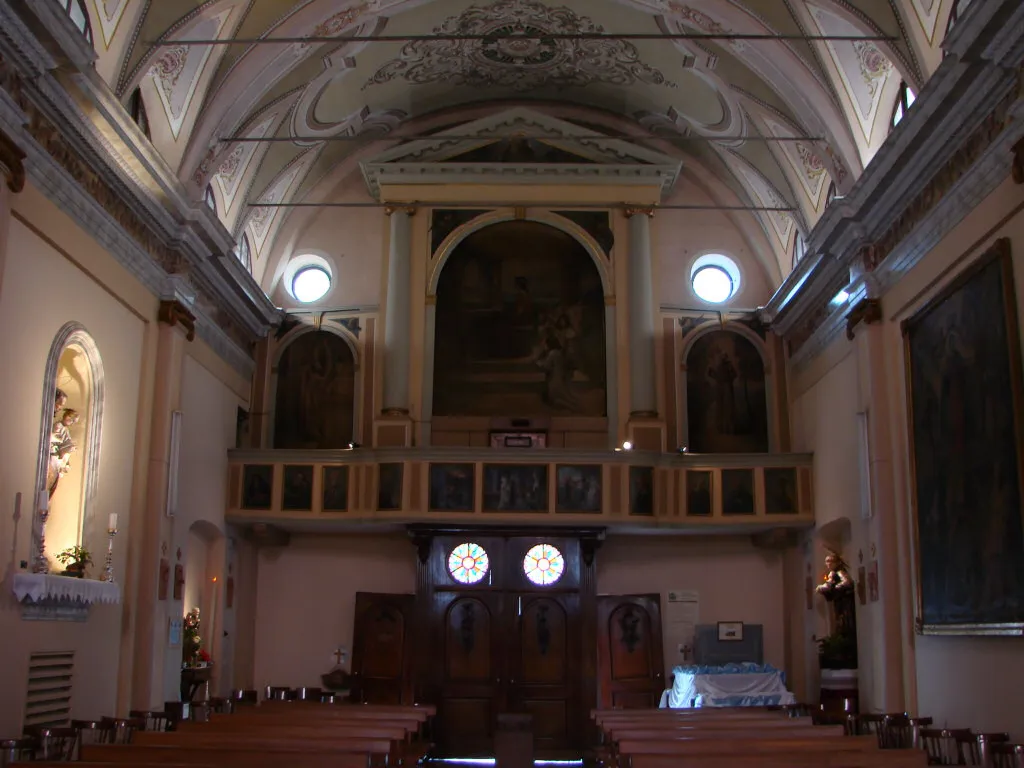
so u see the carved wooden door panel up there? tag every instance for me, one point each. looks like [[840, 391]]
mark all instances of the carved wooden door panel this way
[[544, 673], [382, 648], [472, 645], [629, 651]]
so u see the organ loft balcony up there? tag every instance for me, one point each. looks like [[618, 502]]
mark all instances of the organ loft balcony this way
[[628, 490]]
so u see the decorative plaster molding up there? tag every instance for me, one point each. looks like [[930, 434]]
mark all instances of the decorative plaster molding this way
[[865, 311], [174, 313], [11, 165]]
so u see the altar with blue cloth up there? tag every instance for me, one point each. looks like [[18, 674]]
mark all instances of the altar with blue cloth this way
[[729, 685]]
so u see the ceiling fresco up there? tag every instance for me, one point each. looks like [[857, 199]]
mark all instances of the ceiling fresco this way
[[717, 104]]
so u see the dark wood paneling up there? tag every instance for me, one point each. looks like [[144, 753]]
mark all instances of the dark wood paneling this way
[[506, 644], [630, 650], [382, 653]]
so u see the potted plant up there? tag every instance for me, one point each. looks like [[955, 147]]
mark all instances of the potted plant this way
[[75, 559], [838, 651]]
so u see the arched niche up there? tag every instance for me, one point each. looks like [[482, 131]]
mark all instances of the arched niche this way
[[70, 429], [205, 554], [726, 391], [520, 327], [315, 390]]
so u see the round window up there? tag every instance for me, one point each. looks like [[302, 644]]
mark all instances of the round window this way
[[543, 564], [468, 563], [715, 278], [712, 284], [311, 284]]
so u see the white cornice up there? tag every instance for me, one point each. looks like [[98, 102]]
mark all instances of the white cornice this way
[[955, 103]]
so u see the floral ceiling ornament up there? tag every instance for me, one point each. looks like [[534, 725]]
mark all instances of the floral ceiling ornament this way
[[874, 66], [507, 58], [814, 169]]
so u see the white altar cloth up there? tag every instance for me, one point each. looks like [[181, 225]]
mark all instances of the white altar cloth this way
[[39, 586], [732, 685]]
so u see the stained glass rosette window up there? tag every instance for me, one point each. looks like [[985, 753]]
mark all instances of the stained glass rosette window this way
[[543, 564], [468, 563]]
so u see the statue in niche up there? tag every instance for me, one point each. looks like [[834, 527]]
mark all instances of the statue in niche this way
[[60, 401], [838, 589], [61, 447]]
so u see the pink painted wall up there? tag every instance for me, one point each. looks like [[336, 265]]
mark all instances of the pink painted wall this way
[[733, 580], [305, 599], [306, 592]]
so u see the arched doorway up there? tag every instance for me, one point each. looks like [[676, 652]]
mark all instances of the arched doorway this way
[[520, 326], [315, 399]]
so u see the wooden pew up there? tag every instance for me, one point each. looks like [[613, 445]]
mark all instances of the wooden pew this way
[[897, 758], [281, 756]]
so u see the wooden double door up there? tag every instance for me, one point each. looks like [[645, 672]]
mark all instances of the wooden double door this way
[[505, 644]]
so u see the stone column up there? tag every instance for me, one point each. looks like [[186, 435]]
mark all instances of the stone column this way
[[396, 314], [643, 397], [153, 671]]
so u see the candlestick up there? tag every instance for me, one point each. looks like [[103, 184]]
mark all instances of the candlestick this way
[[39, 563], [108, 566]]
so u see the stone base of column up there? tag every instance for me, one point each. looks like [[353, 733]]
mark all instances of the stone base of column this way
[[646, 432], [392, 430]]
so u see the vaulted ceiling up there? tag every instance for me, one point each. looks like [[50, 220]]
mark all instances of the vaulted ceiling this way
[[718, 102]]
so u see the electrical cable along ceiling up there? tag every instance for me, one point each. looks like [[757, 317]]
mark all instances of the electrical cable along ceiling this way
[[260, 101]]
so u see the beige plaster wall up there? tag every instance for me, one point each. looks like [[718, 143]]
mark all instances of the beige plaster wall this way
[[959, 681], [49, 280]]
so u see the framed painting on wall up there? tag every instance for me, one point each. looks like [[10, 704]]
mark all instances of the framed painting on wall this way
[[257, 486], [453, 487], [579, 488], [515, 487], [297, 494], [737, 491], [962, 353], [335, 493]]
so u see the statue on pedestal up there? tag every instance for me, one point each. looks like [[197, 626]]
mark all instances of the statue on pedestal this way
[[839, 650]]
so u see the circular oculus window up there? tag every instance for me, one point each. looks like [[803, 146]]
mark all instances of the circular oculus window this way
[[543, 564], [311, 284], [713, 284], [468, 563]]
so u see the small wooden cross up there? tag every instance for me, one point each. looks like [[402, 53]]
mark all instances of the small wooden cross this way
[[339, 654]]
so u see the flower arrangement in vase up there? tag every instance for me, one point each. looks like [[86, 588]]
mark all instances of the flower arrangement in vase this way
[[191, 641]]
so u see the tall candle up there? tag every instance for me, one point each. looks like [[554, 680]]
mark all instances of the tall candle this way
[[112, 524]]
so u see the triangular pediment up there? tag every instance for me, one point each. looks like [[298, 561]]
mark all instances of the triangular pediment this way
[[520, 146]]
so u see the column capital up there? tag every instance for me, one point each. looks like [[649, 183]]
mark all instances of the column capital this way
[[632, 211], [11, 166], [173, 313], [409, 210]]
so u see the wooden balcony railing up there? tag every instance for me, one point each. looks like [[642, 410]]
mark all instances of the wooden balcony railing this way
[[621, 488]]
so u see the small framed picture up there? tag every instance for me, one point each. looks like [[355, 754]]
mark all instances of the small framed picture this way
[[730, 631]]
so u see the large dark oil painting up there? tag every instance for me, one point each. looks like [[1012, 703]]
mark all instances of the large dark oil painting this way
[[519, 326], [315, 388], [964, 381], [725, 395]]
